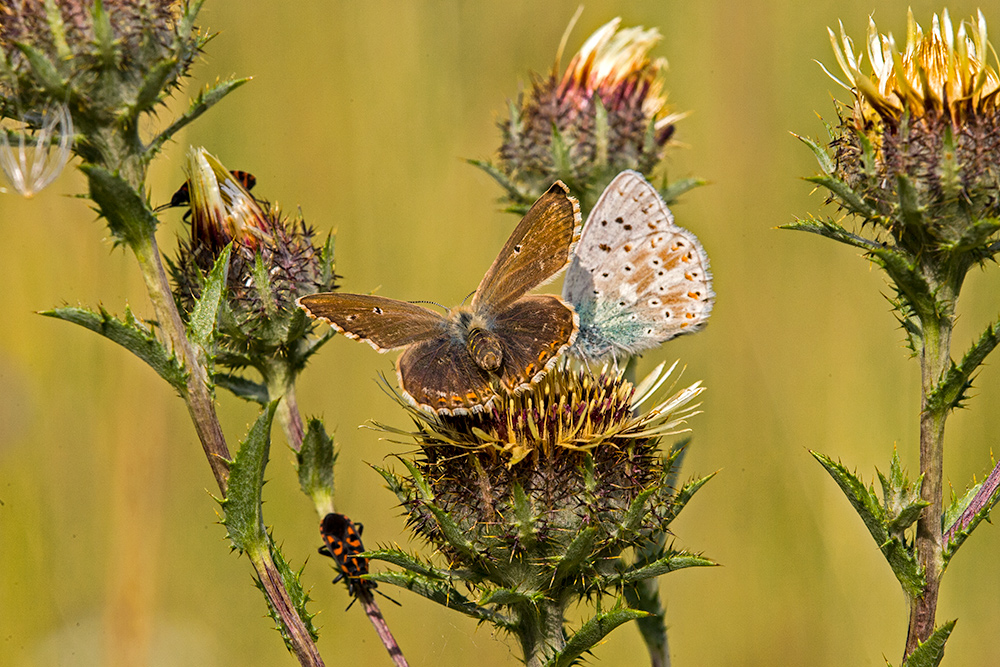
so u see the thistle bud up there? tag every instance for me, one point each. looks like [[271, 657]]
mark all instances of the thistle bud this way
[[272, 263], [605, 113]]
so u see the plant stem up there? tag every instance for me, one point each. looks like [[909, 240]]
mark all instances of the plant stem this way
[[541, 632], [280, 382], [935, 355], [295, 631], [382, 628], [199, 400], [201, 407]]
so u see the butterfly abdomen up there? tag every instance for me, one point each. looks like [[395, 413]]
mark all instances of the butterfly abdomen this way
[[485, 349]]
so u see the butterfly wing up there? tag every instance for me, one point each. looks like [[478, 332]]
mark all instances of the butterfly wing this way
[[537, 249], [383, 323], [439, 375], [534, 331], [636, 278]]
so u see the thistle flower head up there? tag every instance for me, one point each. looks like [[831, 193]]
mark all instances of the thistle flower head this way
[[543, 491], [42, 151], [941, 72], [273, 262], [605, 113], [109, 62], [921, 140]]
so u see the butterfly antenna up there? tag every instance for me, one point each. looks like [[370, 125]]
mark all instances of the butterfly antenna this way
[[433, 303], [467, 297]]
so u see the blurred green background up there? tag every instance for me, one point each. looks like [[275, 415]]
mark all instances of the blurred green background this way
[[362, 114]]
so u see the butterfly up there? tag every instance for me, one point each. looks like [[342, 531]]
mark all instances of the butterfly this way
[[636, 279], [451, 363]]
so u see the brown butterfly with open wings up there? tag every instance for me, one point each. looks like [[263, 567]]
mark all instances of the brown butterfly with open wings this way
[[453, 362]]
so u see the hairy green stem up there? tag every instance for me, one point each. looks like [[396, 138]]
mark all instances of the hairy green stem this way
[[541, 632], [198, 398], [935, 357], [280, 382]]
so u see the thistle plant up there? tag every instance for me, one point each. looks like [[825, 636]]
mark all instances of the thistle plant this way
[[83, 77], [543, 499], [915, 159], [605, 113]]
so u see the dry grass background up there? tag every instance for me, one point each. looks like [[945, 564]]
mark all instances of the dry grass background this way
[[362, 113]]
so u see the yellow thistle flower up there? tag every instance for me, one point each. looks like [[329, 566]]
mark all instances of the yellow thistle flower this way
[[923, 131], [944, 71]]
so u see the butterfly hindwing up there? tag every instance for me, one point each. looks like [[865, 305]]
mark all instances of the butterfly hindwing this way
[[439, 374], [636, 278], [383, 323], [535, 330], [537, 250]]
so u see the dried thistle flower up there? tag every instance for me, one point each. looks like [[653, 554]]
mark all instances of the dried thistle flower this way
[[535, 500], [43, 149], [273, 262], [928, 115], [605, 113]]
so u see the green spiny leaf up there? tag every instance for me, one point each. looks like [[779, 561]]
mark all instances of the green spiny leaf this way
[[685, 494], [591, 633], [46, 74], [825, 163], [636, 512], [395, 484], [899, 556], [930, 652], [451, 532], [416, 566], [965, 514], [909, 204], [513, 191], [949, 393], [205, 315], [128, 216], [316, 461], [645, 596], [561, 163], [241, 387], [525, 515], [579, 551], [426, 493], [665, 565], [672, 192], [242, 506], [911, 284], [510, 597], [601, 132], [205, 100], [844, 195], [57, 30], [831, 230], [104, 36], [443, 594], [298, 596], [154, 83], [262, 284], [131, 334]]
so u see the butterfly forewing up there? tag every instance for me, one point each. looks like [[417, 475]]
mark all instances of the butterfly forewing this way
[[383, 323], [636, 278], [535, 330], [537, 249]]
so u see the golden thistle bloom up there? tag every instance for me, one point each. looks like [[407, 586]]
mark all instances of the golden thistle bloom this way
[[607, 112], [927, 114], [524, 479], [272, 263]]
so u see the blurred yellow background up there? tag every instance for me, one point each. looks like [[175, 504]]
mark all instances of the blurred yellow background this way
[[363, 114]]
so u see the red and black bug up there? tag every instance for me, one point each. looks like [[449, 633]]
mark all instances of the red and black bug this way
[[183, 195], [342, 543]]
